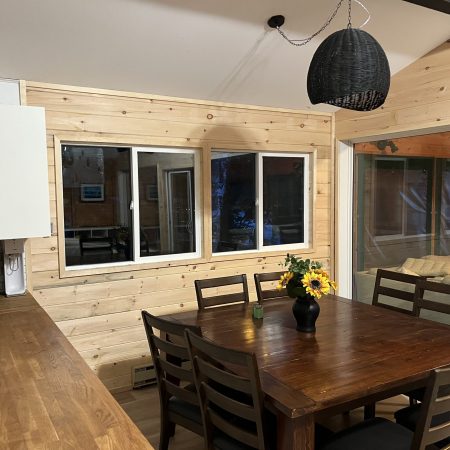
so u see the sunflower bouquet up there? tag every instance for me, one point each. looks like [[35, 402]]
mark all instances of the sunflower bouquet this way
[[305, 277]]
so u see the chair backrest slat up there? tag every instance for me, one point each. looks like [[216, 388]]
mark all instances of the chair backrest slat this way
[[435, 403], [225, 377], [176, 371], [393, 292], [180, 393], [236, 432], [224, 400], [171, 348], [266, 294], [232, 406], [169, 353], [431, 305], [221, 299], [423, 287]]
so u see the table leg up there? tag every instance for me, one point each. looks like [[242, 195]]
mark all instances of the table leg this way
[[295, 434]]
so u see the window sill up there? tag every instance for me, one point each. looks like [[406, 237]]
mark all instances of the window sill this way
[[130, 266]]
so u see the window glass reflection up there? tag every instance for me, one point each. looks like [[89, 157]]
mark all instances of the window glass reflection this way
[[233, 201], [283, 200], [97, 196]]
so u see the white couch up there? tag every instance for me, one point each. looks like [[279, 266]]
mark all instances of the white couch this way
[[433, 267]]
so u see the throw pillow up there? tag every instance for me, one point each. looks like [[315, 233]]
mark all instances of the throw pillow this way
[[426, 267]]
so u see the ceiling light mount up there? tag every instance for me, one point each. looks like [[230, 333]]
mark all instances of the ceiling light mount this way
[[276, 21]]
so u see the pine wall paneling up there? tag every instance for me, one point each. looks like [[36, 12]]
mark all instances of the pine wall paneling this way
[[418, 102], [99, 309]]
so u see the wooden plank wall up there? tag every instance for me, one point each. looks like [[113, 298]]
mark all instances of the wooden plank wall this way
[[418, 101], [100, 312]]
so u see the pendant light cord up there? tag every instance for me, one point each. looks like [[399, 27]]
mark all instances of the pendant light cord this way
[[301, 42]]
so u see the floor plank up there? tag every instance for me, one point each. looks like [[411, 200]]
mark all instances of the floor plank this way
[[142, 405]]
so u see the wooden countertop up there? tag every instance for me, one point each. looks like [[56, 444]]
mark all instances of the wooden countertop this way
[[49, 397]]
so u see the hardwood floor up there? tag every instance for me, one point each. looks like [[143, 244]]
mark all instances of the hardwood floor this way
[[142, 405]]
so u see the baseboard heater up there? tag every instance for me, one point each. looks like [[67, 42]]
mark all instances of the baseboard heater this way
[[143, 376]]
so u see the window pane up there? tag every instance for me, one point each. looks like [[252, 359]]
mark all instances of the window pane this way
[[388, 191], [394, 204], [445, 195], [283, 200], [418, 196], [97, 195], [443, 207], [233, 184], [166, 203]]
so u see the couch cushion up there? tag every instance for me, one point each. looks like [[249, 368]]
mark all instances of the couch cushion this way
[[426, 267], [407, 271]]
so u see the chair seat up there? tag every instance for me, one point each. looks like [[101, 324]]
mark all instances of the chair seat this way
[[374, 434], [408, 417], [224, 442], [185, 409]]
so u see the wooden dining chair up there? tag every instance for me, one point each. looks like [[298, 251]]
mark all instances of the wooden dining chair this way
[[433, 425], [267, 294], [394, 293], [437, 416], [177, 393], [221, 299], [422, 302], [232, 405]]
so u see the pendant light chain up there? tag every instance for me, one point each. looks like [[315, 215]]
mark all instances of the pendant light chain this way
[[349, 25], [300, 42]]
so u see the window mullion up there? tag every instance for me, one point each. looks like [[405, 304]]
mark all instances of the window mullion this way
[[135, 203], [259, 226]]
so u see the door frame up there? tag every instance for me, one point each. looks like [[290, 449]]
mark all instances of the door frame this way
[[344, 209]]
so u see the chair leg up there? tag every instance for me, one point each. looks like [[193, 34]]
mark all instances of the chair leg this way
[[369, 411], [412, 401], [167, 428]]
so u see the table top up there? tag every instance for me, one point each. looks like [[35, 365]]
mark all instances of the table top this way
[[49, 397], [359, 352]]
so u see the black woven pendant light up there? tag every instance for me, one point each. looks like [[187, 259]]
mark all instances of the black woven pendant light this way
[[349, 70]]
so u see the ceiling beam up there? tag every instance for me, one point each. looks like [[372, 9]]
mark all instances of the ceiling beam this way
[[438, 5]]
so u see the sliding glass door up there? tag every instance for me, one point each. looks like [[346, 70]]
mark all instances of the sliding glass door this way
[[401, 208]]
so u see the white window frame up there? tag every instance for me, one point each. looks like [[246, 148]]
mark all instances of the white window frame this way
[[196, 205], [259, 231], [134, 174]]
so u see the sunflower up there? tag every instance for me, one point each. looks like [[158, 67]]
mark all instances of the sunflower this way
[[284, 280], [316, 284]]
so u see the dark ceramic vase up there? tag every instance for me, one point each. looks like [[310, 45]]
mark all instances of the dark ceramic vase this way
[[306, 311]]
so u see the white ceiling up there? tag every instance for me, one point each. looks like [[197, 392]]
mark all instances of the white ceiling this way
[[205, 49]]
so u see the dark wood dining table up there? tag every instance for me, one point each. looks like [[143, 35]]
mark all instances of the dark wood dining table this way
[[358, 355]]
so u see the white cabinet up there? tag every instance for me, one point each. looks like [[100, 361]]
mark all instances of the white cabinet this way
[[24, 194]]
